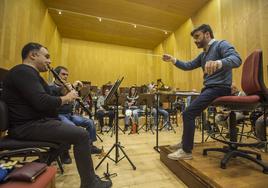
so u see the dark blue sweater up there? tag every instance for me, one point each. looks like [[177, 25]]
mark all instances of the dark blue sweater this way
[[219, 50]]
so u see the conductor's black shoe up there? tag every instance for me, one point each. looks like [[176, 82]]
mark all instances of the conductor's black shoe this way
[[95, 150], [98, 183]]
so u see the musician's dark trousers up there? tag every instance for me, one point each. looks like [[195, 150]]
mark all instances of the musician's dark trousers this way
[[52, 130], [194, 109], [101, 114]]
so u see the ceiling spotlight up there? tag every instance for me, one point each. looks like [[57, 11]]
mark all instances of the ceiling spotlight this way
[[59, 12], [135, 25], [99, 19], [165, 32]]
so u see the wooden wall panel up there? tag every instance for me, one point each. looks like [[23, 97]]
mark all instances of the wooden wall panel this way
[[22, 22], [246, 28], [100, 63], [241, 22]]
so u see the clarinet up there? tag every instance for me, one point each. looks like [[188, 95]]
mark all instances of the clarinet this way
[[57, 77]]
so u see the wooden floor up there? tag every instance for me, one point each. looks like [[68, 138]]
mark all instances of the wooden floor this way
[[150, 173]]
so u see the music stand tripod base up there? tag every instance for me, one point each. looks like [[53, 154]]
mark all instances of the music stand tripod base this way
[[116, 145], [107, 175]]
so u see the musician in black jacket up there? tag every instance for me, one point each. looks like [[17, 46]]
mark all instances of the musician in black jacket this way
[[32, 111]]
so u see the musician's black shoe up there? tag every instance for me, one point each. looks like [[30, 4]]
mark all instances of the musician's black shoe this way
[[65, 158], [126, 128], [95, 150], [98, 183]]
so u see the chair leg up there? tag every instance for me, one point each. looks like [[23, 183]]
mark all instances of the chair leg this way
[[172, 128], [223, 150], [258, 156], [226, 158], [176, 120], [259, 162], [60, 165], [242, 132]]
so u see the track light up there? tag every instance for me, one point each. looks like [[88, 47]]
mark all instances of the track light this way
[[100, 19]]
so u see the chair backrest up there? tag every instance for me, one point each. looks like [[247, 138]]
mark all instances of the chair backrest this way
[[252, 67], [3, 116]]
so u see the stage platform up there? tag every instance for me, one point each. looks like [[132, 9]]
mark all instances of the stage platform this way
[[205, 171]]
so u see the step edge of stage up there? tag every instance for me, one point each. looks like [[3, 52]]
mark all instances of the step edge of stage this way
[[197, 179]]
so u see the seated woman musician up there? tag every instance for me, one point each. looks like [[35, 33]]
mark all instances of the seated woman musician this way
[[132, 109]]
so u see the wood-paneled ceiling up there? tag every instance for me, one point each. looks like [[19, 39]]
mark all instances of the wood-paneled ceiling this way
[[79, 19]]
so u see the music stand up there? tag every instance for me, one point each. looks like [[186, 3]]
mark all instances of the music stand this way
[[84, 92], [156, 147], [124, 90], [157, 115], [117, 146], [121, 100], [146, 99], [94, 89], [168, 98]]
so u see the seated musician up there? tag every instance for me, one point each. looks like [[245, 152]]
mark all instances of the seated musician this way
[[259, 129], [132, 110], [161, 112], [222, 117], [151, 87], [102, 112], [66, 111], [32, 112], [160, 84]]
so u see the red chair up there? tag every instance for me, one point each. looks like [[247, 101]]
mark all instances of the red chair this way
[[253, 85], [45, 180]]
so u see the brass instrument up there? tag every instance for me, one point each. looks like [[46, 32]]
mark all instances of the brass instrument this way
[[79, 100]]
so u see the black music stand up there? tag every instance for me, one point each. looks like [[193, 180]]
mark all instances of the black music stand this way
[[146, 99], [167, 98], [112, 101], [117, 146], [156, 147], [84, 92]]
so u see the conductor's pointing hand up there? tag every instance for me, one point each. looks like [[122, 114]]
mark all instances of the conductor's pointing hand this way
[[169, 58]]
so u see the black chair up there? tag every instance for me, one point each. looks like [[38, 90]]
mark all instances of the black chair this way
[[45, 151], [253, 85]]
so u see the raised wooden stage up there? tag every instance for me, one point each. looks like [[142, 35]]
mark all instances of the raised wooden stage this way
[[205, 171]]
